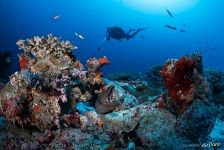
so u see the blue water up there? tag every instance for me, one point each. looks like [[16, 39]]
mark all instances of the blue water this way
[[21, 19]]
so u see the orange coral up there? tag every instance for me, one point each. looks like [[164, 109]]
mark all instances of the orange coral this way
[[104, 60]]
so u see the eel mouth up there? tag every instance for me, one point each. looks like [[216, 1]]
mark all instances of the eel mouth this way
[[107, 101], [111, 94]]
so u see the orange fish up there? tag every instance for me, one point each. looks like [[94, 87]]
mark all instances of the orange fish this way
[[23, 62], [104, 61]]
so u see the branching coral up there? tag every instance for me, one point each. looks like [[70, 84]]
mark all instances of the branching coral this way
[[179, 79], [40, 47]]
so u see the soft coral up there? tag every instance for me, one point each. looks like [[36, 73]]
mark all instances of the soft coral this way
[[23, 62], [179, 80]]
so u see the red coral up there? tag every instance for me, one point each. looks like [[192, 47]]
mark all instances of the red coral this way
[[23, 62], [179, 82]]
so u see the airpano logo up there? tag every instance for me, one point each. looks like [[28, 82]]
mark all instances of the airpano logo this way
[[204, 145], [211, 144]]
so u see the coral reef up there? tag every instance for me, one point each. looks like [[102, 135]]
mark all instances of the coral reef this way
[[54, 102], [50, 83]]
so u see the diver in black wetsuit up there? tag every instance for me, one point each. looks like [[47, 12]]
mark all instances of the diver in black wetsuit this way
[[118, 33]]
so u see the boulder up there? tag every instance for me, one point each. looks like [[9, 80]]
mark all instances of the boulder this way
[[197, 121], [156, 129]]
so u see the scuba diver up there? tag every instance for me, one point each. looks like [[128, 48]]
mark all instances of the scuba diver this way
[[118, 33]]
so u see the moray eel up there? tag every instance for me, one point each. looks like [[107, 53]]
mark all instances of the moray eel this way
[[104, 102]]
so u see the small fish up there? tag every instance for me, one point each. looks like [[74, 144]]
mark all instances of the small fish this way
[[56, 17], [98, 48], [80, 36], [169, 13], [170, 27], [181, 30], [142, 37]]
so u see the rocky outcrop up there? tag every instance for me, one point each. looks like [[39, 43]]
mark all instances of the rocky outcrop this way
[[197, 122]]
